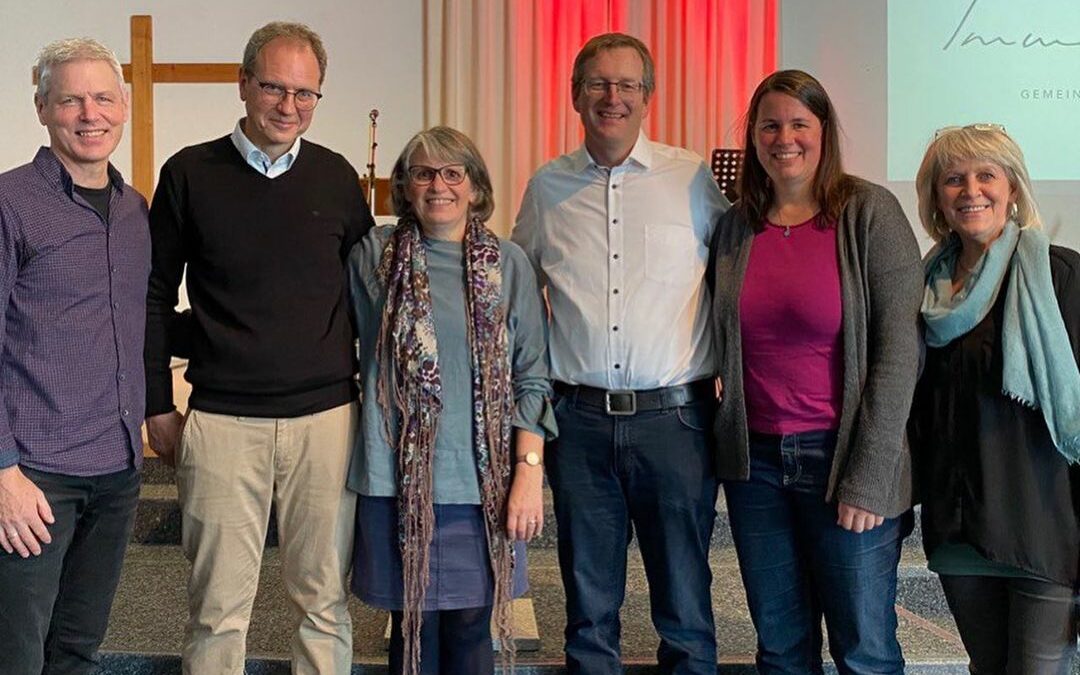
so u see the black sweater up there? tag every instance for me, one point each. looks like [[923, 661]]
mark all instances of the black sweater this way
[[268, 334], [986, 470]]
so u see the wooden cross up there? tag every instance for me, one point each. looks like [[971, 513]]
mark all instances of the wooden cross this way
[[143, 74]]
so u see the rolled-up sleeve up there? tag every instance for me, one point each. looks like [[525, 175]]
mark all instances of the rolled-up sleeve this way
[[527, 325]]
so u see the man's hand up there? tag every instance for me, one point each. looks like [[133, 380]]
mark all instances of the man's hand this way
[[163, 431], [857, 520], [24, 514]]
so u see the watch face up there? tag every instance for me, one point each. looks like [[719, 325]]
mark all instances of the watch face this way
[[532, 459]]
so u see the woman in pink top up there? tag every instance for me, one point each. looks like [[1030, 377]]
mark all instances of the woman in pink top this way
[[816, 286]]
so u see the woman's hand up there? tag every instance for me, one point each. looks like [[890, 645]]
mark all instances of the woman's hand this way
[[856, 520], [525, 506]]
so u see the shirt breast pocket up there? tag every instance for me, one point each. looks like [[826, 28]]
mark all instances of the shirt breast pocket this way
[[673, 254]]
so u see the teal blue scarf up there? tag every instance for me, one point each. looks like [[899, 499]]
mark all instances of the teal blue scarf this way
[[1040, 370]]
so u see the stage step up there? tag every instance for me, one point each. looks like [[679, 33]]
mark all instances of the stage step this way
[[147, 624]]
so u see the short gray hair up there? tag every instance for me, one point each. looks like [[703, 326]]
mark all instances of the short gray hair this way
[[449, 145], [73, 49], [283, 29]]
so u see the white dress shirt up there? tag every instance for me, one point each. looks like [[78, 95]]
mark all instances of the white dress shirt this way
[[259, 160], [622, 253]]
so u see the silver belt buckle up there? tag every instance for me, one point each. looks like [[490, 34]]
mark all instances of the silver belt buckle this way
[[616, 402]]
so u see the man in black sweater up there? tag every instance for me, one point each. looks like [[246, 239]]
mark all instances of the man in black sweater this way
[[263, 223]]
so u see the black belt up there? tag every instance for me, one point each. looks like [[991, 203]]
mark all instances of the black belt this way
[[629, 401]]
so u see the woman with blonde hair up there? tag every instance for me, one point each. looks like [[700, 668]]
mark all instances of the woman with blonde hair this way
[[995, 426]]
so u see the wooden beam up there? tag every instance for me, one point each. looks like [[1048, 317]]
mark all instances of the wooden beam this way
[[142, 104], [180, 73], [222, 73]]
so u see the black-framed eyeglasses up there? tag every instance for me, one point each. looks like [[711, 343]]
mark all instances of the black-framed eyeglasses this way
[[304, 99], [628, 87], [452, 174], [978, 126]]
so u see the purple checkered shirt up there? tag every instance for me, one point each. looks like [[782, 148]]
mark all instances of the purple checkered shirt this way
[[73, 308]]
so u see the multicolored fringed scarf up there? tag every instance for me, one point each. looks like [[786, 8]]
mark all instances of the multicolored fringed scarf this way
[[410, 393]]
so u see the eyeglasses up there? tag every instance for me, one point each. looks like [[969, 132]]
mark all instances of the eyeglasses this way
[[979, 126], [452, 174], [622, 86], [303, 99]]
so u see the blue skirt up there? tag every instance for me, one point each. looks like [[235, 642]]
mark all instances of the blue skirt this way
[[459, 565]]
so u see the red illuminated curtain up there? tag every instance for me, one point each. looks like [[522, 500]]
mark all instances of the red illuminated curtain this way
[[499, 70]]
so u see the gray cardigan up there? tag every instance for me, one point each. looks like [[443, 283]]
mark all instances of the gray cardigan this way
[[881, 285]]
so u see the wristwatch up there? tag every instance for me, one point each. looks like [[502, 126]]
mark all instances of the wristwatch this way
[[530, 458]]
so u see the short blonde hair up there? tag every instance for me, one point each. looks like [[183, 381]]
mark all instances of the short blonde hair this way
[[449, 145], [973, 142]]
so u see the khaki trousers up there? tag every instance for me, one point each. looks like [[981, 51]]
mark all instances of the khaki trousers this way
[[229, 471]]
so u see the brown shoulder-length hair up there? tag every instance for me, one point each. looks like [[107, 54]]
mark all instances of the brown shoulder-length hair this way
[[832, 187]]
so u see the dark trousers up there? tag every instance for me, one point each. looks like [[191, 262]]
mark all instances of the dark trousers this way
[[797, 563], [54, 608], [452, 642], [651, 473], [1012, 625]]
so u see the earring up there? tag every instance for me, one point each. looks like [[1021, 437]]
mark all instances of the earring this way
[[1013, 210]]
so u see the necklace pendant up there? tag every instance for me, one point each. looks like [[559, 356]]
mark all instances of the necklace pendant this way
[[787, 231]]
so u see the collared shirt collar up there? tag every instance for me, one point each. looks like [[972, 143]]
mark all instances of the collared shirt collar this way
[[259, 160], [54, 171], [641, 154]]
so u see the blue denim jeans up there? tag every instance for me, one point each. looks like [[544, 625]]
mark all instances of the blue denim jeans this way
[[652, 474], [798, 564]]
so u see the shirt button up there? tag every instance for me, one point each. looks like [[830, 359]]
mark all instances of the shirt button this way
[[617, 366], [614, 221], [122, 377], [615, 328], [126, 412], [614, 186], [115, 269], [615, 256], [615, 291], [116, 305]]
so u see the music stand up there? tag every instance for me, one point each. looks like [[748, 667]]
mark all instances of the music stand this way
[[726, 165]]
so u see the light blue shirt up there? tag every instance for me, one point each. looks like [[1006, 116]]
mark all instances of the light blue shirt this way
[[373, 469], [259, 160]]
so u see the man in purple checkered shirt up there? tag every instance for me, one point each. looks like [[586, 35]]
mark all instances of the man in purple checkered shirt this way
[[74, 262]]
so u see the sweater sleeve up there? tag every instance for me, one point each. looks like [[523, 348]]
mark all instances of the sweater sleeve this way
[[528, 328], [527, 228], [360, 219], [893, 291], [164, 326]]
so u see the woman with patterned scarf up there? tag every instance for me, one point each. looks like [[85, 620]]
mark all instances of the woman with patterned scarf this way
[[995, 427], [453, 369]]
